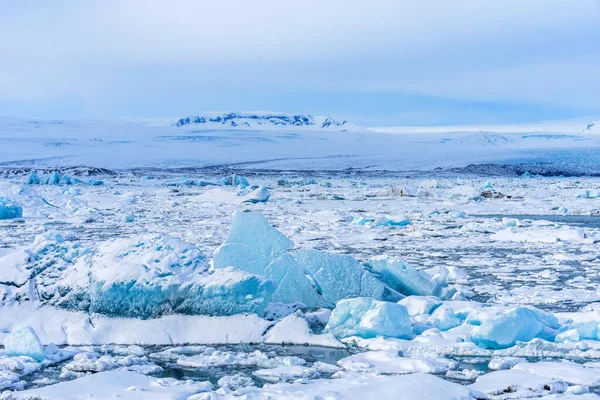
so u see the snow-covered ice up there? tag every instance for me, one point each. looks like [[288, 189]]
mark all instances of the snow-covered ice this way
[[314, 291]]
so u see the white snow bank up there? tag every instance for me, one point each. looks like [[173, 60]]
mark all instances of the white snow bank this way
[[350, 386], [514, 384], [124, 385], [77, 328]]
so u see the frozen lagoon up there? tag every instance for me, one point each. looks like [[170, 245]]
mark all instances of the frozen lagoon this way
[[529, 249]]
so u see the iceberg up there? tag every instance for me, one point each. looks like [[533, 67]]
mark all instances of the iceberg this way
[[142, 276], [153, 275], [24, 342], [260, 195], [406, 279], [308, 276], [234, 180], [518, 324], [369, 318], [9, 209], [33, 179]]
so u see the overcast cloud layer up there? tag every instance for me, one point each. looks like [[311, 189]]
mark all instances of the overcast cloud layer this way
[[378, 62]]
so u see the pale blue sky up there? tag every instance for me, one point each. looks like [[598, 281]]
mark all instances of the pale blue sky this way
[[377, 62]]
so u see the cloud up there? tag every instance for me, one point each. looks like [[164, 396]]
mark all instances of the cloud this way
[[99, 53]]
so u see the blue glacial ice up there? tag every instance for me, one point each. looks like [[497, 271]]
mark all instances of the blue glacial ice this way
[[380, 221], [33, 179], [24, 342], [260, 195], [521, 324], [406, 279], [153, 275], [308, 276], [234, 180], [142, 276], [369, 318], [9, 209]]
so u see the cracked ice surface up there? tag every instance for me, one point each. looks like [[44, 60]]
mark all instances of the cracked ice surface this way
[[502, 284]]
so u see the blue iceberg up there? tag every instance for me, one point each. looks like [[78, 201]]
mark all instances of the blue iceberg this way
[[369, 318], [24, 342], [406, 279], [311, 277], [9, 209], [521, 324]]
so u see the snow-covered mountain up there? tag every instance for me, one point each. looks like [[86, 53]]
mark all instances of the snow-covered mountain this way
[[263, 120], [289, 142]]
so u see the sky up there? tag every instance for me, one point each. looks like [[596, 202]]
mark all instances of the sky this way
[[376, 62]]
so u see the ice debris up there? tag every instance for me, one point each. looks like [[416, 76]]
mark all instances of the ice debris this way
[[10, 209]]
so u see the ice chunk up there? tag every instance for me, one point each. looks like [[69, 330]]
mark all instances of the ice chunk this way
[[501, 363], [517, 384], [406, 279], [252, 244], [234, 180], [53, 179], [260, 195], [518, 324], [327, 270], [390, 362], [235, 382], [418, 305], [33, 179], [444, 319], [9, 209], [295, 329], [308, 276], [24, 342], [369, 318]]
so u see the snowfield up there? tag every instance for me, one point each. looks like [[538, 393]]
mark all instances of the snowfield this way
[[139, 279]]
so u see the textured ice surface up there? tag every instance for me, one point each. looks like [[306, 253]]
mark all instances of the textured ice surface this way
[[140, 276], [369, 318], [234, 180], [153, 275], [405, 278], [260, 195], [24, 342], [307, 276], [519, 324], [9, 209]]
